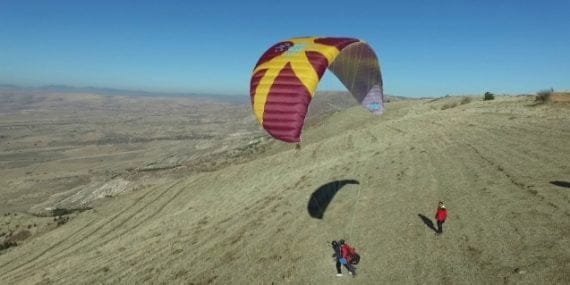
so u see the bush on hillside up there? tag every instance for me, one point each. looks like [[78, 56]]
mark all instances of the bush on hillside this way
[[488, 96], [7, 244], [465, 100], [544, 95], [60, 212]]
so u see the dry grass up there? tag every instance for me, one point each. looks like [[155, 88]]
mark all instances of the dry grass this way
[[449, 105], [248, 223], [466, 100], [563, 97], [452, 102]]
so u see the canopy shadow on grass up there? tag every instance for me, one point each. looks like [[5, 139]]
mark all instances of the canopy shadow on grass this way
[[561, 183], [321, 198]]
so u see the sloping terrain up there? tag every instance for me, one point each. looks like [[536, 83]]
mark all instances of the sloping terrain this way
[[502, 167], [51, 143], [63, 149]]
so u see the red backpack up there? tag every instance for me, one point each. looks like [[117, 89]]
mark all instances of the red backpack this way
[[354, 256]]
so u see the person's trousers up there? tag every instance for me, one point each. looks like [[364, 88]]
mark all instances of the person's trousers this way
[[440, 227], [349, 267]]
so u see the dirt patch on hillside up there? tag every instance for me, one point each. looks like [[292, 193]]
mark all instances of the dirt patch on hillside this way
[[560, 97]]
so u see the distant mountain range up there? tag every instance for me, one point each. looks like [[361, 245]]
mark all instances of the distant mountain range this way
[[118, 92], [126, 92]]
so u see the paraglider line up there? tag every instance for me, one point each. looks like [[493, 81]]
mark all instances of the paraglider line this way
[[352, 216]]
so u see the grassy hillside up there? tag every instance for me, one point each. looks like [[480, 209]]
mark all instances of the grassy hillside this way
[[502, 167]]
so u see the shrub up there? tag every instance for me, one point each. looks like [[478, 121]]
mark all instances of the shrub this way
[[61, 220], [60, 212], [543, 95], [465, 100], [7, 244], [448, 106], [488, 96]]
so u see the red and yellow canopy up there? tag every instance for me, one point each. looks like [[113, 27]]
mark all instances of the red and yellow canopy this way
[[286, 76]]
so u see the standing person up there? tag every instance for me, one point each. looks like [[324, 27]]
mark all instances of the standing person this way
[[337, 255], [440, 217], [346, 251]]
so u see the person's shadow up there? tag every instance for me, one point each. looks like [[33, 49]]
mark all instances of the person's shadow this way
[[561, 183], [428, 222]]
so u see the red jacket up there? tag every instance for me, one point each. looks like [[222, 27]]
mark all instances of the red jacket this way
[[347, 251], [441, 214]]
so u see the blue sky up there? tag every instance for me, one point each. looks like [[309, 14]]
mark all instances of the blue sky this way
[[426, 48]]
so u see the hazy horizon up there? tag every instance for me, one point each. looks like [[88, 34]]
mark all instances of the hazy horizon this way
[[142, 92]]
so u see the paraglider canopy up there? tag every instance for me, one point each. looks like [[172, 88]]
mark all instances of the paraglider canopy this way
[[286, 76]]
